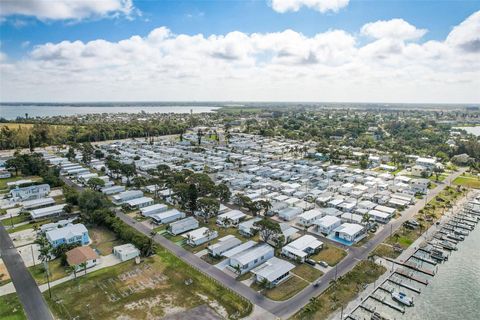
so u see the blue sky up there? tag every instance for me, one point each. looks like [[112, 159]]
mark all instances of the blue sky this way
[[248, 50], [220, 17]]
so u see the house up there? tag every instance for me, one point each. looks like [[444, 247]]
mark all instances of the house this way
[[302, 247], [139, 203], [167, 216], [389, 210], [307, 218], [82, 255], [327, 224], [289, 213], [247, 228], [289, 233], [428, 163], [113, 190], [43, 213], [5, 174], [124, 196], [75, 233], [153, 209], [19, 183], [274, 271], [379, 216], [420, 185], [181, 226], [240, 248], [350, 232], [223, 245], [248, 259], [419, 171], [30, 193], [200, 236], [37, 203], [55, 225], [230, 218], [352, 217], [126, 252]]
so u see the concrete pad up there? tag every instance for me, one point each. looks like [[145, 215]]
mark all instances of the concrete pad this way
[[26, 254], [201, 253], [56, 193], [24, 237]]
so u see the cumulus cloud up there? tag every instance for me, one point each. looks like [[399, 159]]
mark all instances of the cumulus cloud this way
[[64, 9], [392, 29], [287, 65], [322, 6], [466, 36]]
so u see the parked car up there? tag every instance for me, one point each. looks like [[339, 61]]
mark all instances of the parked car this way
[[323, 264], [311, 262]]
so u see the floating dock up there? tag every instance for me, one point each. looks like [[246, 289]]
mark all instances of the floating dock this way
[[387, 303], [406, 275]]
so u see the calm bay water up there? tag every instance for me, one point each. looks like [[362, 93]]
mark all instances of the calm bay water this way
[[454, 292], [11, 112]]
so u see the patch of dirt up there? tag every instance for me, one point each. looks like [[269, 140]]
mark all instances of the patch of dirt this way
[[4, 275], [146, 305], [214, 305]]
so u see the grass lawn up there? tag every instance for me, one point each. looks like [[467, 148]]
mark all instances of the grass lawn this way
[[469, 181], [31, 225], [286, 289], [330, 254], [103, 239], [3, 182], [342, 292], [17, 219], [307, 272], [153, 289], [384, 250], [57, 271], [10, 308]]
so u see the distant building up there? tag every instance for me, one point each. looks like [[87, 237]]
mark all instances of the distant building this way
[[30, 193]]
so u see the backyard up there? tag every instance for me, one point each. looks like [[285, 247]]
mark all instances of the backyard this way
[[284, 290], [159, 286], [103, 239], [330, 254]]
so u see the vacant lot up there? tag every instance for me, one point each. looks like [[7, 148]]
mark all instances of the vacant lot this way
[[103, 239], [10, 308], [307, 272], [330, 254], [341, 292], [469, 181], [56, 271], [159, 286], [284, 290]]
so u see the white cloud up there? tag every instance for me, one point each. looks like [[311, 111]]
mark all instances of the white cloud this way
[[64, 9], [287, 65], [392, 29], [322, 6], [466, 36]]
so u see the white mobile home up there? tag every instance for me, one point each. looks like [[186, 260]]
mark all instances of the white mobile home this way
[[350, 232], [125, 196], [37, 203], [230, 218], [112, 190], [274, 271], [327, 224], [126, 251], [153, 209], [308, 217], [247, 228], [200, 236], [139, 203], [301, 248], [289, 213], [47, 212], [246, 260], [223, 245], [167, 216], [30, 193], [181, 226]]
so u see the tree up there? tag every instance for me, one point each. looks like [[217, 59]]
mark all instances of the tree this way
[[96, 183], [31, 143], [139, 182], [89, 201], [263, 206], [268, 229], [192, 195], [222, 191], [200, 134], [87, 152], [74, 270], [83, 266], [98, 154], [70, 154], [437, 171], [208, 207], [128, 170]]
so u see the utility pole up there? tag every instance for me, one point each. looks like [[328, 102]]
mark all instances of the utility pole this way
[[33, 256]]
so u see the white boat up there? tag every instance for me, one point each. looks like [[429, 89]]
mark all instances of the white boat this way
[[402, 298]]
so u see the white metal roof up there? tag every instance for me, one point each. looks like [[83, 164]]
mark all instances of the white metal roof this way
[[273, 269]]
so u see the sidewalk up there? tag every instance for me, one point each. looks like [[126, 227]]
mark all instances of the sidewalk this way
[[106, 261]]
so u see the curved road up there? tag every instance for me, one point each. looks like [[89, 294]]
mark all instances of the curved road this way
[[285, 309]]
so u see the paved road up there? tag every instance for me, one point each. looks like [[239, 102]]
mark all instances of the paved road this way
[[30, 296], [288, 308]]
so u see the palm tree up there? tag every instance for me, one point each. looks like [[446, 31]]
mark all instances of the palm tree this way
[[73, 269], [238, 269], [83, 265]]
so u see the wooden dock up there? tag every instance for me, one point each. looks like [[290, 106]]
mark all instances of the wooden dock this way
[[387, 303], [406, 275], [401, 284], [412, 266]]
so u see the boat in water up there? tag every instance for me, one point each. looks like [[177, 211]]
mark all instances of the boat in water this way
[[402, 298]]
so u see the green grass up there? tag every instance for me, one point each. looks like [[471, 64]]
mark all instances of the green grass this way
[[284, 290], [57, 271], [384, 250], [3, 182], [469, 181], [30, 225], [11, 308], [103, 239], [166, 276], [330, 254], [307, 272], [341, 292], [17, 219]]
